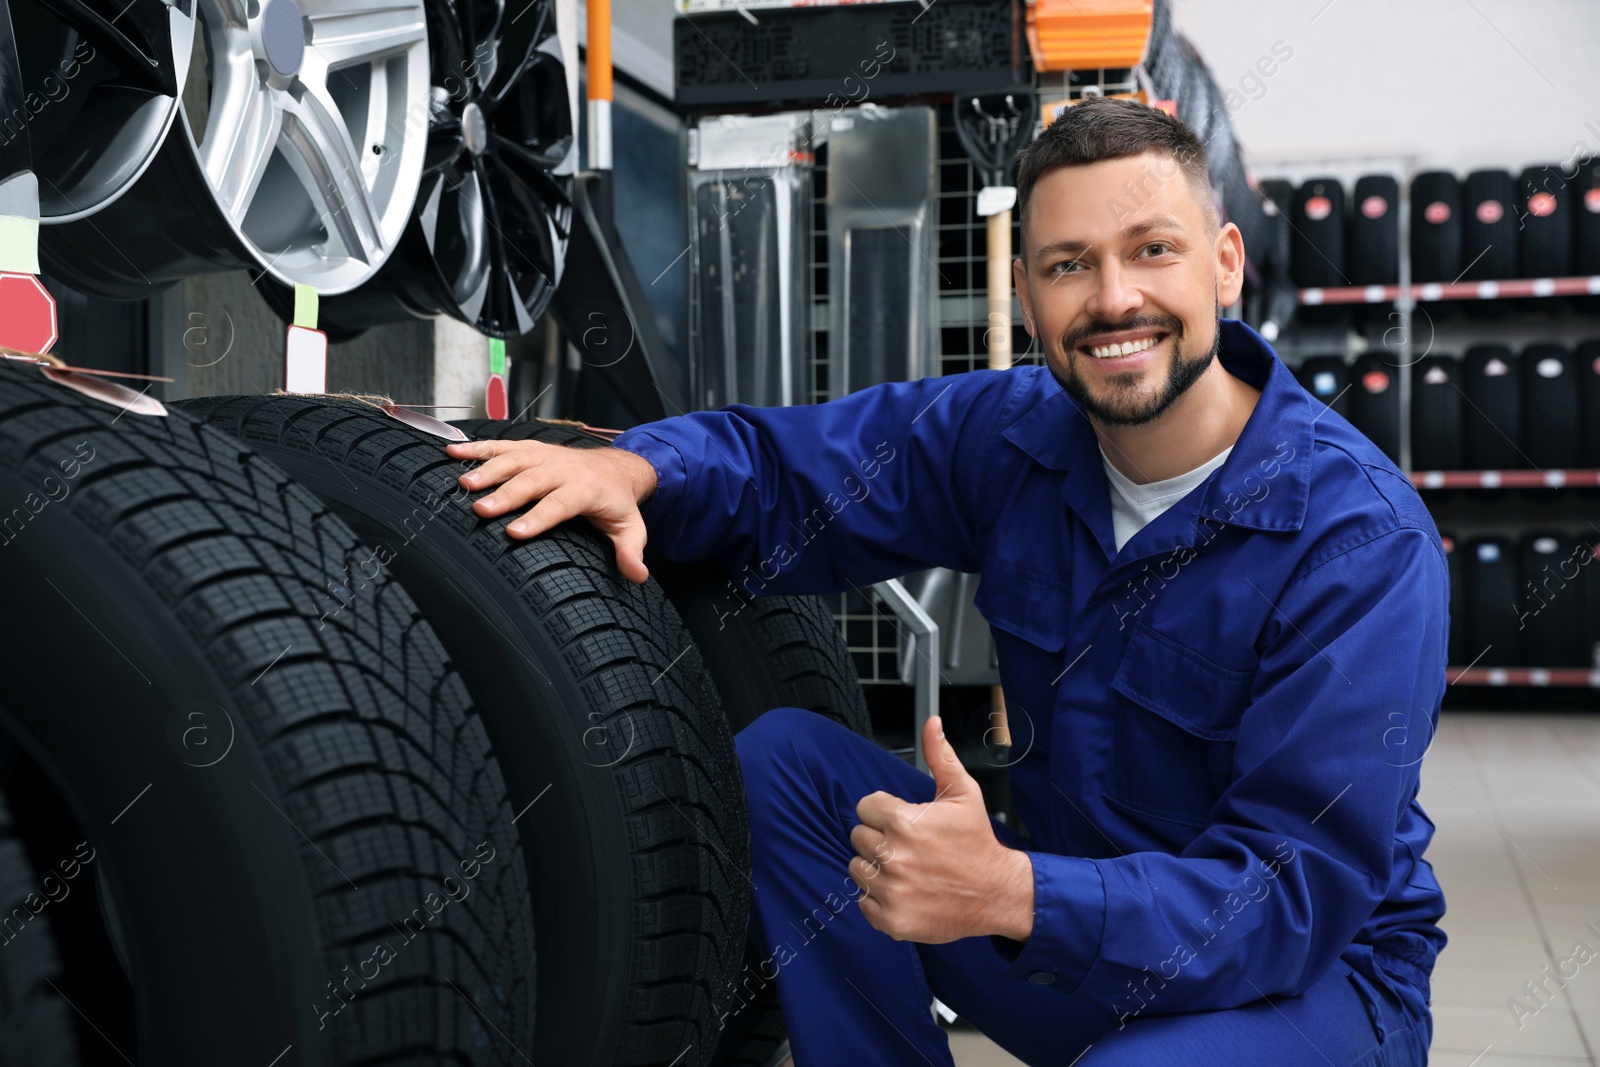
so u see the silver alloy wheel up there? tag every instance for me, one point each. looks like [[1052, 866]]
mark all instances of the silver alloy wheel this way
[[309, 123], [487, 243], [99, 90]]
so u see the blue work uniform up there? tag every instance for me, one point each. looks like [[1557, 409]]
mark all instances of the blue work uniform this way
[[1217, 731]]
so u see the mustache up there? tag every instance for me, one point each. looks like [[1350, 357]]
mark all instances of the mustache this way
[[1104, 329]]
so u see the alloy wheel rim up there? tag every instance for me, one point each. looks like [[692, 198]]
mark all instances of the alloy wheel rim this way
[[100, 91], [308, 123], [495, 202]]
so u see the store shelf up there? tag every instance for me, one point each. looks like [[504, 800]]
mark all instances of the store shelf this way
[[1551, 479], [1563, 677], [1430, 291]]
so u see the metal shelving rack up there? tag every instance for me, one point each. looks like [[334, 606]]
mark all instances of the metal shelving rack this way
[[1405, 296]]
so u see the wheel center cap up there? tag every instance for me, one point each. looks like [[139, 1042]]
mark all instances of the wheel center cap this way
[[284, 36], [474, 129]]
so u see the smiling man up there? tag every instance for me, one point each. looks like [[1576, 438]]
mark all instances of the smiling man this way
[[1220, 615]]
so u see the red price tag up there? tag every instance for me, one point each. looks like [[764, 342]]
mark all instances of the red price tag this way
[[27, 313]]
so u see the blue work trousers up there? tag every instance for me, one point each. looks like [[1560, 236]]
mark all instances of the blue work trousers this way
[[853, 995]]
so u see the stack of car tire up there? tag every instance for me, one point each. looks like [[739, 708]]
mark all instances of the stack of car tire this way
[[1531, 600], [1543, 223], [296, 751], [1494, 408], [1526, 601]]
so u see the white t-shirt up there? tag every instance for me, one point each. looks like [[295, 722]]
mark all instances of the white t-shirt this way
[[1134, 505]]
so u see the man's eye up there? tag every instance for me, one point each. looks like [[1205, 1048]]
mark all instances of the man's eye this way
[[1156, 248], [1067, 267]]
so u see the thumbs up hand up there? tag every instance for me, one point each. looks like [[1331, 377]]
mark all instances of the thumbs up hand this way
[[936, 872]]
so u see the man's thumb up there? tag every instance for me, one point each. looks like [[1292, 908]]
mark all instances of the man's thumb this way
[[949, 776]]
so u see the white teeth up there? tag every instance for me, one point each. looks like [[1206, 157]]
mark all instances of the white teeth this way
[[1126, 348]]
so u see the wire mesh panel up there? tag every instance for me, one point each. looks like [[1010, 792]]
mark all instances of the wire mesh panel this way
[[961, 275]]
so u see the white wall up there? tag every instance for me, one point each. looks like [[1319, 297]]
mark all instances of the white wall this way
[[1428, 84]]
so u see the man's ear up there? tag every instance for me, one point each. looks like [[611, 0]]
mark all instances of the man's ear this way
[[1019, 282], [1230, 264]]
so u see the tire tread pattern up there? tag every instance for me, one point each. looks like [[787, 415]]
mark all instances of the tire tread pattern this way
[[377, 756]]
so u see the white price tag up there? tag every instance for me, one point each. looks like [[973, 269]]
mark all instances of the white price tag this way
[[306, 361]]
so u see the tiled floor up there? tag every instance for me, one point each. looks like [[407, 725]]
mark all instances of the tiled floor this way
[[1516, 799]]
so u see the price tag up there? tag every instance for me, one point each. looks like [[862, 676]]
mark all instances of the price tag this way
[[27, 313], [495, 393], [306, 351]]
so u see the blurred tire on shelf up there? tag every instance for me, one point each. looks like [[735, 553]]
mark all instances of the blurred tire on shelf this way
[[1544, 219], [763, 653], [1436, 227], [1327, 378], [1589, 577], [1490, 569], [1549, 603], [1317, 246], [1457, 653], [271, 763], [1489, 226], [1492, 426], [1372, 247], [1552, 407], [1586, 358], [1586, 217], [1375, 401], [1436, 414], [619, 761]]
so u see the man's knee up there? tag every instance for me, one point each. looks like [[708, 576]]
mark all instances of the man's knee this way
[[783, 759], [790, 753], [779, 735]]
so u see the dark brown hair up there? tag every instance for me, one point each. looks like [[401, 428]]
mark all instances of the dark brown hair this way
[[1103, 128]]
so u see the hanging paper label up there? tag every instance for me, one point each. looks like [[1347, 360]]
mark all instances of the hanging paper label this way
[[19, 244], [306, 362], [306, 352], [496, 401]]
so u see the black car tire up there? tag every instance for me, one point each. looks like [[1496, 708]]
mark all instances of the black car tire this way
[[602, 712], [161, 579]]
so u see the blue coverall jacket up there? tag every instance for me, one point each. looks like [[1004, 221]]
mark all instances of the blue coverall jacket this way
[[1223, 723]]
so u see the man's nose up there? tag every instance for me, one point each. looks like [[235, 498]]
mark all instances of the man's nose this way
[[1114, 298]]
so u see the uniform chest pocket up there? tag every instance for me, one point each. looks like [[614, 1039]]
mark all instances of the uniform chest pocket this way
[[1175, 730], [1028, 616]]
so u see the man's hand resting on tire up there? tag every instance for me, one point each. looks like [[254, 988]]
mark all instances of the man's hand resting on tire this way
[[605, 485]]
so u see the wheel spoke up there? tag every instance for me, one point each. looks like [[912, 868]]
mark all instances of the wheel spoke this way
[[318, 147], [521, 46], [467, 270], [239, 143], [137, 38], [446, 141], [534, 168], [361, 32], [498, 305]]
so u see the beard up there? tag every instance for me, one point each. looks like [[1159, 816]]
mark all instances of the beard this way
[[1125, 406]]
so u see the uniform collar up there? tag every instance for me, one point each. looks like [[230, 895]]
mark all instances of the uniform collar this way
[[1274, 448]]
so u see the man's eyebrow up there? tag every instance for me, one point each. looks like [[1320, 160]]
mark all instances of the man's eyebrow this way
[[1133, 232], [1068, 248], [1154, 222]]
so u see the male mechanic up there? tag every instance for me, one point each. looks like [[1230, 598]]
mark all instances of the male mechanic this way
[[1220, 615]]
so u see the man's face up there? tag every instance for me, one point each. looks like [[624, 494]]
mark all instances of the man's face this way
[[1123, 282]]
